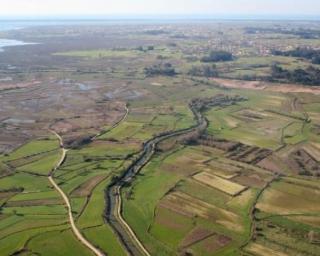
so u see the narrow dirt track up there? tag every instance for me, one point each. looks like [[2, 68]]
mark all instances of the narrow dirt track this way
[[118, 209], [114, 126], [75, 230]]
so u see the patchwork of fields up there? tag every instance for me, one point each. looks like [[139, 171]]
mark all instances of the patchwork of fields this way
[[184, 164], [225, 193]]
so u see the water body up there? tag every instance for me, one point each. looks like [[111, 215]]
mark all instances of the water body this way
[[9, 25], [8, 42]]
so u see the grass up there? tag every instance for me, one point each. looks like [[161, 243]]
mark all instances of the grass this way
[[102, 53], [104, 238], [93, 214], [58, 243], [99, 149], [43, 166], [29, 182], [172, 168], [17, 241], [33, 147], [124, 131], [258, 122], [77, 203], [164, 106], [170, 228], [16, 224], [36, 210], [139, 210], [91, 222], [201, 191], [35, 195]]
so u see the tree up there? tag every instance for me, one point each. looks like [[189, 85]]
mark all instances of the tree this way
[[160, 69], [205, 70], [218, 56]]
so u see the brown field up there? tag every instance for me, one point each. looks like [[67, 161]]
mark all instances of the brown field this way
[[36, 202], [186, 205], [86, 188], [271, 163], [302, 161], [258, 85], [284, 198], [313, 149], [4, 195], [214, 243], [250, 180], [260, 250], [196, 235], [225, 165], [221, 184], [7, 86]]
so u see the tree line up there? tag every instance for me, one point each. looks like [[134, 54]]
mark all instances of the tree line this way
[[301, 52], [308, 76]]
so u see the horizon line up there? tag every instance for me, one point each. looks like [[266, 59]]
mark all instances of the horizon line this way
[[37, 17]]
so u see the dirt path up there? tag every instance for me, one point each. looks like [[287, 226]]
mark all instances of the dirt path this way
[[75, 230], [114, 126], [118, 209]]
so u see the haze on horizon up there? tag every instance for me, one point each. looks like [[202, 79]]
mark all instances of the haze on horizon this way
[[163, 7]]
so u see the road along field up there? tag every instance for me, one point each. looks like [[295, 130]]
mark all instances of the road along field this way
[[75, 230]]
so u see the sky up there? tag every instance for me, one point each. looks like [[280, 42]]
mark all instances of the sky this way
[[159, 7]]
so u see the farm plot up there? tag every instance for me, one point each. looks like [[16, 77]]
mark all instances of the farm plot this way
[[99, 149], [211, 245], [253, 125], [43, 166], [181, 203], [261, 250], [144, 123], [33, 148], [284, 235], [190, 207], [32, 207], [57, 243], [221, 184], [285, 198], [103, 53]]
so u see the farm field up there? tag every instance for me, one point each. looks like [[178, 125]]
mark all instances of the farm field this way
[[128, 140]]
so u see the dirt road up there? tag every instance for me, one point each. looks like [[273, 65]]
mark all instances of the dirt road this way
[[75, 230]]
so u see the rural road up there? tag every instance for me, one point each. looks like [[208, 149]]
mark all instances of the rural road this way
[[113, 194], [75, 230]]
